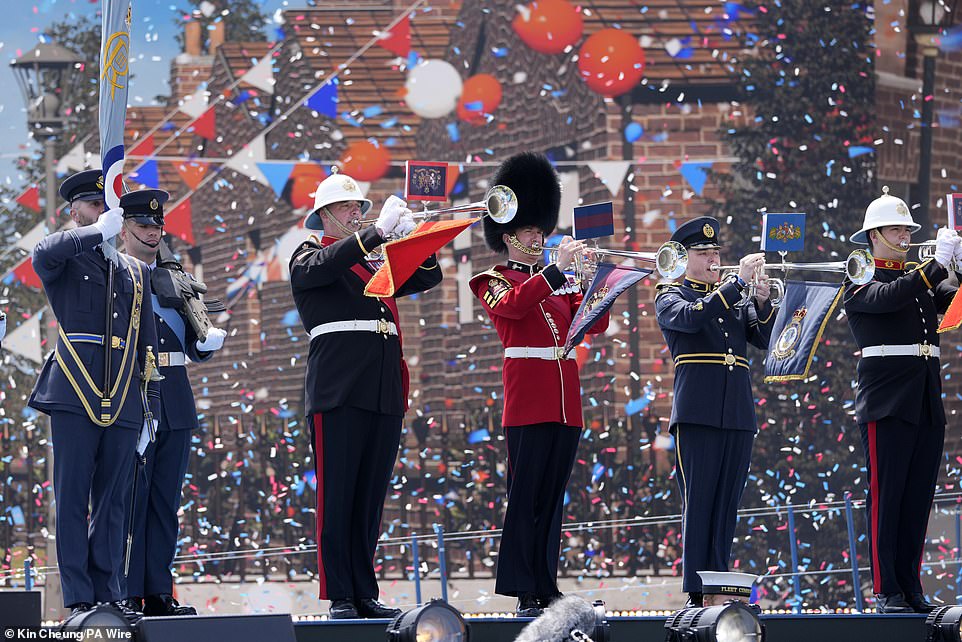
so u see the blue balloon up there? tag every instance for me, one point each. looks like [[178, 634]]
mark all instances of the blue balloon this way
[[633, 132]]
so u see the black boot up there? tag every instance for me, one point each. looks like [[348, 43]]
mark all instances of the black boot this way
[[918, 603], [132, 616], [133, 603], [529, 606], [164, 604], [78, 608], [892, 603], [343, 610], [545, 602], [695, 600], [370, 608]]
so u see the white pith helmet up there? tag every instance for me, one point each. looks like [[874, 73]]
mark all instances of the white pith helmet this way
[[334, 189], [883, 211]]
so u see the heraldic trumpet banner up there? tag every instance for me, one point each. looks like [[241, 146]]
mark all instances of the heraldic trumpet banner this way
[[114, 83], [798, 328]]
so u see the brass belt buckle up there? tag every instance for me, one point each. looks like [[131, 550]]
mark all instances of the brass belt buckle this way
[[163, 359], [382, 326], [925, 350], [115, 343], [559, 352], [729, 359]]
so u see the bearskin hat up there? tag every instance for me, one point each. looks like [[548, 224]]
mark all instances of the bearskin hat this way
[[536, 185]]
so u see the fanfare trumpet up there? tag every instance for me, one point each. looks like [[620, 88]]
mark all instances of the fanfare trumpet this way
[[859, 267], [500, 203], [671, 259]]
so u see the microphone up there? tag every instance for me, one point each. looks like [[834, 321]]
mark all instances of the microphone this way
[[559, 620]]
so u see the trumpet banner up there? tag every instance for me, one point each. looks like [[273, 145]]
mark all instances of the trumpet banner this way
[[801, 320], [953, 315], [403, 256], [610, 281]]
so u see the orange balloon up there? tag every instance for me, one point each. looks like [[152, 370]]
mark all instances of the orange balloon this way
[[365, 161], [548, 26], [304, 179], [483, 90], [611, 62]]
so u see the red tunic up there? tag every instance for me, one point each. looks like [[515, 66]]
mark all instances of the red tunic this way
[[526, 313]]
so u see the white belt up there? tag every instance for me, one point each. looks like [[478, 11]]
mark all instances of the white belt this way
[[552, 354], [167, 359], [911, 350], [366, 325]]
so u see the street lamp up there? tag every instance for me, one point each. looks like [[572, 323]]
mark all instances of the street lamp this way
[[48, 75], [926, 23]]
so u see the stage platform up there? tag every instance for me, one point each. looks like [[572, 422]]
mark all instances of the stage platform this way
[[779, 628]]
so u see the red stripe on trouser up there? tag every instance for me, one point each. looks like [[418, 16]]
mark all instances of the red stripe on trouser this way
[[873, 489], [319, 466]]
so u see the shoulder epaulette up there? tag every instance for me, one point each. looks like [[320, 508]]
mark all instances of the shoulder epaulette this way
[[492, 273], [661, 288]]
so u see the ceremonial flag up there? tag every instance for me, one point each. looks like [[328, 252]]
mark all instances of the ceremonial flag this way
[[403, 256], [783, 232], [953, 315], [802, 317], [594, 221], [610, 281], [114, 77]]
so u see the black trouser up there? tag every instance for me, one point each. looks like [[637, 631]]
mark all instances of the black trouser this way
[[354, 455], [540, 458], [711, 469], [903, 467]]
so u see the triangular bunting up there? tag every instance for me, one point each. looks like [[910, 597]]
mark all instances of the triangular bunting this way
[[245, 161], [24, 340], [397, 40], [276, 175], [29, 240], [324, 100], [30, 199], [143, 147], [695, 174], [146, 174], [205, 126], [611, 173], [180, 223], [195, 104], [72, 161], [25, 274], [261, 75], [192, 173]]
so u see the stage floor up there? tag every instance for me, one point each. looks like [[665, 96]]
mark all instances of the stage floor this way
[[779, 628]]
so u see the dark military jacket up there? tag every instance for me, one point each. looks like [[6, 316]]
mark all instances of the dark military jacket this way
[[708, 330], [899, 307], [358, 369], [74, 276]]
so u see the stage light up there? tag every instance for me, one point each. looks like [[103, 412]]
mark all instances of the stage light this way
[[436, 621], [102, 616], [601, 631], [942, 624], [731, 622]]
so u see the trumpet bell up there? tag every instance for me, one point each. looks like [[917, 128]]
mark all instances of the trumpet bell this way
[[501, 204], [672, 260], [860, 267]]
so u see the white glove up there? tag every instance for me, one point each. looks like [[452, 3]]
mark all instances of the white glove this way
[[3, 326], [110, 222], [945, 247], [957, 259], [405, 226], [214, 340], [390, 216], [145, 439]]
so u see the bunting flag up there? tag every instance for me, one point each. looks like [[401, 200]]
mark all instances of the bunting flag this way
[[143, 147], [952, 318], [610, 281], [205, 126], [245, 161], [611, 173], [24, 273], [276, 175], [261, 75], [30, 198], [195, 104], [114, 83], [192, 173], [29, 240], [397, 39], [403, 256], [279, 259], [802, 317], [73, 161], [570, 197], [695, 174], [179, 222], [146, 174], [324, 100], [24, 340]]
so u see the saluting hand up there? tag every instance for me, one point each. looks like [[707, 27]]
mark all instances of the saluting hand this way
[[110, 222], [567, 249]]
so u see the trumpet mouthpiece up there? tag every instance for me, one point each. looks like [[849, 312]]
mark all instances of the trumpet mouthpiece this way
[[904, 245]]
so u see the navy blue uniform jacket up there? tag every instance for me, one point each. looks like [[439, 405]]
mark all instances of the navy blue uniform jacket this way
[[708, 335]]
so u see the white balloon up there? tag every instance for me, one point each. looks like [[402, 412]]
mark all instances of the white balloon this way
[[433, 88]]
